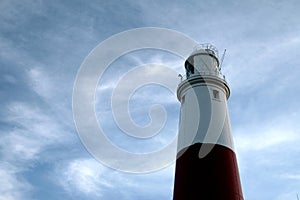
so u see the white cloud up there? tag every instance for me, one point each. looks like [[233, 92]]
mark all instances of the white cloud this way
[[40, 82], [20, 147], [264, 139], [11, 186], [84, 175], [130, 87], [291, 176], [31, 132], [87, 177], [289, 195], [35, 121]]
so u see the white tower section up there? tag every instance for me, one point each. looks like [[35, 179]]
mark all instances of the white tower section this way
[[203, 95]]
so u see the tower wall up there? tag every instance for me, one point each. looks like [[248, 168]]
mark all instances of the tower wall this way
[[214, 177], [203, 114]]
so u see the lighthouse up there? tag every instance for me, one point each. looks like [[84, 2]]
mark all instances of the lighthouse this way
[[206, 164]]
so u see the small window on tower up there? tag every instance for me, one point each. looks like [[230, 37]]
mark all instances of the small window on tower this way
[[216, 94], [192, 69]]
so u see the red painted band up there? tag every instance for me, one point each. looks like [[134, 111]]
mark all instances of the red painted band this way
[[214, 177]]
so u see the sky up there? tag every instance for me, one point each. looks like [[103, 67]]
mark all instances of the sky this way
[[44, 43]]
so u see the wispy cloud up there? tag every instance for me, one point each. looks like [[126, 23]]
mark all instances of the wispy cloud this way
[[12, 186], [288, 195], [261, 139], [90, 179], [291, 176], [251, 66], [129, 74], [84, 175], [40, 83], [29, 134]]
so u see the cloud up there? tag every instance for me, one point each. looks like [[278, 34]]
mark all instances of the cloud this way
[[267, 149], [40, 82], [29, 133], [288, 195], [251, 67], [128, 74], [31, 127], [86, 177], [12, 187], [261, 139], [290, 176], [266, 142]]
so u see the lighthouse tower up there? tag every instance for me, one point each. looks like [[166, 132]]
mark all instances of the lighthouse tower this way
[[206, 165]]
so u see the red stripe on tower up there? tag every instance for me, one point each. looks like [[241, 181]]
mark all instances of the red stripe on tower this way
[[206, 165]]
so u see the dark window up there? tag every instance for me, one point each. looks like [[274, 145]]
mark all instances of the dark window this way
[[192, 69], [216, 94], [189, 67]]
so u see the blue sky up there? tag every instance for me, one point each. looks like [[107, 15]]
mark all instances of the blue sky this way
[[43, 44]]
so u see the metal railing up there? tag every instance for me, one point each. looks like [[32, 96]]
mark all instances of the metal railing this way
[[214, 74], [207, 46]]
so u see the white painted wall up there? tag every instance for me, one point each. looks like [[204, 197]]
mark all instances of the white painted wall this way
[[203, 118]]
